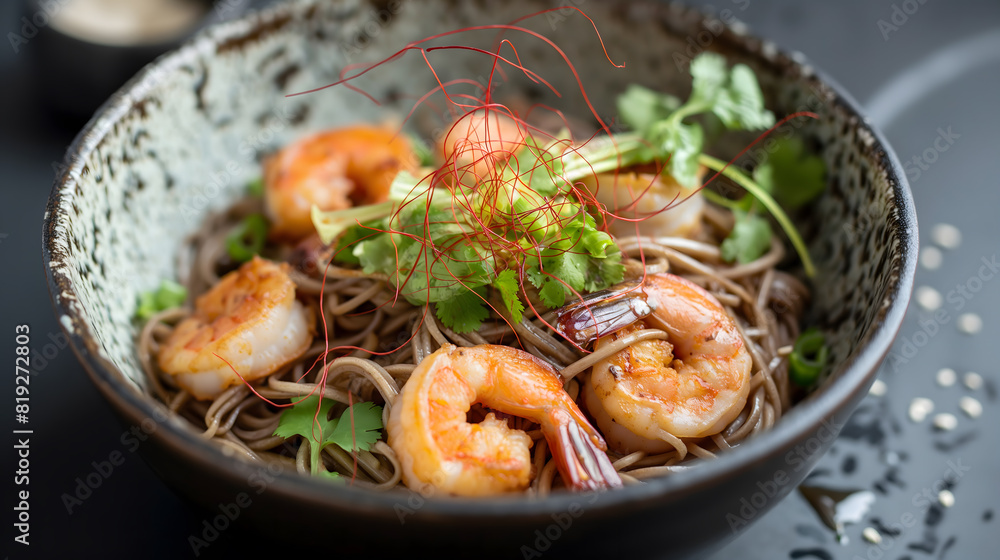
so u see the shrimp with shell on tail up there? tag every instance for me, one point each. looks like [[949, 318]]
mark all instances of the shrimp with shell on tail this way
[[651, 394], [440, 450]]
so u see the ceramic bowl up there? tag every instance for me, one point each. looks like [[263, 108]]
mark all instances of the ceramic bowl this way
[[183, 137]]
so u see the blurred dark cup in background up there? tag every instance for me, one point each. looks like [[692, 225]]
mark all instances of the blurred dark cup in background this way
[[81, 51]]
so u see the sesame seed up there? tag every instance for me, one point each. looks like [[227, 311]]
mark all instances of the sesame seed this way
[[920, 408], [946, 377], [891, 458], [947, 236], [946, 498], [971, 406], [878, 388], [872, 535], [931, 258], [928, 298], [969, 323], [973, 380], [945, 421]]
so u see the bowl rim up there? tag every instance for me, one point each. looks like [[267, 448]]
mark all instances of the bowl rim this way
[[854, 375]]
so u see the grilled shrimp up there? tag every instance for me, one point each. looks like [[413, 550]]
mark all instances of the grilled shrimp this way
[[250, 318], [642, 196], [691, 385], [334, 170], [439, 449]]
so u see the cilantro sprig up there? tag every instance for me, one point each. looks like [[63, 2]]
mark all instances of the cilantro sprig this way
[[301, 419], [732, 96]]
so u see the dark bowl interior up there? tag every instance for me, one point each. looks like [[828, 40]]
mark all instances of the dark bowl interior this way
[[183, 137]]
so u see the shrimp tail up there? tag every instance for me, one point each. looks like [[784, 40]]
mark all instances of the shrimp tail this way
[[580, 456], [603, 313]]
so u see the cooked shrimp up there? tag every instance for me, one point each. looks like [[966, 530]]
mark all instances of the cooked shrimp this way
[[439, 449], [334, 170], [250, 319], [642, 196], [691, 385], [481, 140]]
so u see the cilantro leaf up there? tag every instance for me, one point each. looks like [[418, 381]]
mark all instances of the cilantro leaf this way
[[462, 313], [453, 271], [343, 251], [506, 284], [301, 419], [734, 97], [550, 290], [584, 258], [606, 272], [750, 238], [683, 143], [708, 78], [367, 423], [791, 174], [569, 265], [639, 107]]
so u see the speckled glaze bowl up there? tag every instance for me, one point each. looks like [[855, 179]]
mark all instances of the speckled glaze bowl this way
[[184, 136]]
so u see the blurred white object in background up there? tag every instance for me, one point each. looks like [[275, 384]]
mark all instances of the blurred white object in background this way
[[128, 22]]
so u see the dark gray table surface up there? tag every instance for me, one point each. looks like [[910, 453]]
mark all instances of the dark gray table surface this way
[[933, 70]]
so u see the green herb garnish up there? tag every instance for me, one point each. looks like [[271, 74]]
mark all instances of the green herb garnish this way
[[731, 95], [809, 355], [506, 284], [750, 238], [791, 174], [301, 419], [247, 238], [169, 295], [256, 187]]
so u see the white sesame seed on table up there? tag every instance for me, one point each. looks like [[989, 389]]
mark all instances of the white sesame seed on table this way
[[946, 377], [945, 421], [920, 407], [931, 258], [947, 236]]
